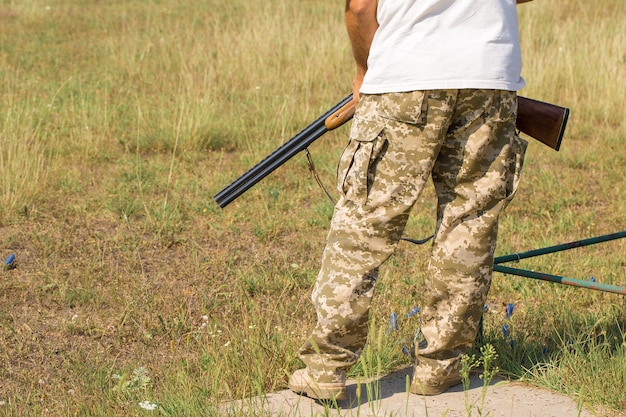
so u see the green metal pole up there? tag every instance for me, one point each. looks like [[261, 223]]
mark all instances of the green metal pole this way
[[561, 280], [556, 278], [558, 248]]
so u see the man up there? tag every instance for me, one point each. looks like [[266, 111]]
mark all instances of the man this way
[[436, 86]]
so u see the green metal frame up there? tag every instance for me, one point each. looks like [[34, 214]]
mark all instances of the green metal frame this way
[[556, 278]]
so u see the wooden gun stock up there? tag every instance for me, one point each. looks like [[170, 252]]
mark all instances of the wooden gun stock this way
[[542, 121]]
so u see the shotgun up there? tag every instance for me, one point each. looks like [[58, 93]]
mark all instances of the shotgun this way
[[542, 121]]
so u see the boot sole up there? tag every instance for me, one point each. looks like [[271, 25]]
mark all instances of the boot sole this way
[[321, 391], [423, 389]]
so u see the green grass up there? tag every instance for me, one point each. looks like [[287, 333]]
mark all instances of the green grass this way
[[120, 120]]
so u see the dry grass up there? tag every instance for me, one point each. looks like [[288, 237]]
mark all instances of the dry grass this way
[[120, 120]]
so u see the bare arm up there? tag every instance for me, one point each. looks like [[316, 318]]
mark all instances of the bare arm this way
[[361, 24]]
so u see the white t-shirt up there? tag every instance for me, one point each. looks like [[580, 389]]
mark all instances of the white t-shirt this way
[[444, 44]]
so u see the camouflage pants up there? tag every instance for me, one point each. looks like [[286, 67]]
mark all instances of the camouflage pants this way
[[465, 140]]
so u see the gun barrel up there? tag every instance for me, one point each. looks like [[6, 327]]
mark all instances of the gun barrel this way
[[281, 155]]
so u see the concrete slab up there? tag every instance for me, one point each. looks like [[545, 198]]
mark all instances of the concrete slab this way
[[388, 397]]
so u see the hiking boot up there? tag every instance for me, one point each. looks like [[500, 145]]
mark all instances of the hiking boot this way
[[301, 382], [421, 388]]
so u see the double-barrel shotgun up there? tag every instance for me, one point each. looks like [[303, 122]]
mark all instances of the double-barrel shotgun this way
[[542, 121]]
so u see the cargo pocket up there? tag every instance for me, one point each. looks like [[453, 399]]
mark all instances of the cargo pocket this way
[[518, 147], [356, 170]]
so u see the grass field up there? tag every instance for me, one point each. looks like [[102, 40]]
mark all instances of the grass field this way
[[133, 290]]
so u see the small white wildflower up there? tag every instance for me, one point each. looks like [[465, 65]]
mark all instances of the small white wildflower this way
[[227, 343], [71, 391], [147, 405], [205, 318]]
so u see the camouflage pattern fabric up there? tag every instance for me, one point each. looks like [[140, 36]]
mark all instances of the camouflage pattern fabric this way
[[465, 140]]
